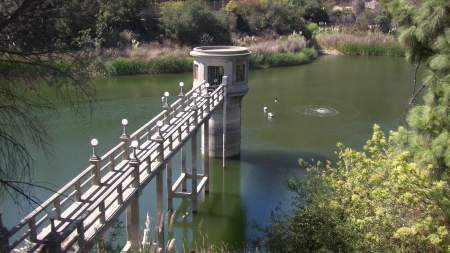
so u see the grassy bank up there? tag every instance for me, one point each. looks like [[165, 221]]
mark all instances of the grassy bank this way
[[285, 51], [377, 45], [164, 59]]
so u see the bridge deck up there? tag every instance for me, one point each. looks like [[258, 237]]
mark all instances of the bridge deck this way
[[88, 204]]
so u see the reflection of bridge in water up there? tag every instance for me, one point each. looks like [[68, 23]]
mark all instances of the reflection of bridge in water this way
[[85, 208], [87, 205]]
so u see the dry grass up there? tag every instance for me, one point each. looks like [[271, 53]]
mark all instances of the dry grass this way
[[145, 51], [290, 44], [332, 40]]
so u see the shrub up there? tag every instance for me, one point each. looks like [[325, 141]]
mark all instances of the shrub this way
[[187, 21], [255, 17]]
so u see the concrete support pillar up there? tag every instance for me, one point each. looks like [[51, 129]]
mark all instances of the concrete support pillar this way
[[132, 213], [194, 172], [194, 194], [183, 167], [169, 185], [233, 129], [160, 209], [205, 143], [132, 218]]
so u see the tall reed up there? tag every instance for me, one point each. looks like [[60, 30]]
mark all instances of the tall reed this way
[[380, 45]]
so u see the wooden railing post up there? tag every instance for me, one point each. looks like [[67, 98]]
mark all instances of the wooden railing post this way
[[4, 238]]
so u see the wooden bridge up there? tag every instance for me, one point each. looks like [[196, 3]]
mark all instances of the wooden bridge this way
[[85, 207]]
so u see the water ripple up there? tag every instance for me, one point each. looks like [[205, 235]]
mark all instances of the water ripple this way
[[316, 110]]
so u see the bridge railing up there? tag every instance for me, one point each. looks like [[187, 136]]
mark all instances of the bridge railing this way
[[84, 185]]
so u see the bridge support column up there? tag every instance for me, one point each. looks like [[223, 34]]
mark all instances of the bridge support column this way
[[206, 157], [183, 167], [132, 218], [194, 194], [160, 209], [169, 185], [132, 213], [159, 188]]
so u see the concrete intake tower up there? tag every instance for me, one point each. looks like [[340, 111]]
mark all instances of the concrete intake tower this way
[[212, 64]]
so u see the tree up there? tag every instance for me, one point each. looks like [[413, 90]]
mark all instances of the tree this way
[[424, 32], [186, 22], [39, 59]]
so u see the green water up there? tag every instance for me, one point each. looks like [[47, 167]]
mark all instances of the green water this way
[[333, 99]]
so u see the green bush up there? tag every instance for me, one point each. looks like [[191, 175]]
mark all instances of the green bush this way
[[282, 59], [160, 65], [187, 24], [126, 66], [372, 48], [255, 17], [170, 64]]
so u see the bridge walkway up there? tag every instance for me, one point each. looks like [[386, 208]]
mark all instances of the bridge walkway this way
[[87, 205]]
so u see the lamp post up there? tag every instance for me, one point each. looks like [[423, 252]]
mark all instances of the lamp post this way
[[134, 162], [159, 124], [53, 237], [181, 88], [194, 98], [124, 124], [166, 104], [4, 242], [94, 157], [166, 107], [159, 139], [95, 160], [125, 138], [134, 145], [182, 97]]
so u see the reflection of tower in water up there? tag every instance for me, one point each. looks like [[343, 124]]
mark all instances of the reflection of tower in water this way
[[220, 217]]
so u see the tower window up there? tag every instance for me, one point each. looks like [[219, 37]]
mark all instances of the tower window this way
[[215, 74], [240, 73]]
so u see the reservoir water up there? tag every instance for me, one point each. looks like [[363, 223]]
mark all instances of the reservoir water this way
[[332, 99]]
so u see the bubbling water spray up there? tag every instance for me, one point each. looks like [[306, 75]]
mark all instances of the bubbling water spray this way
[[314, 110]]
